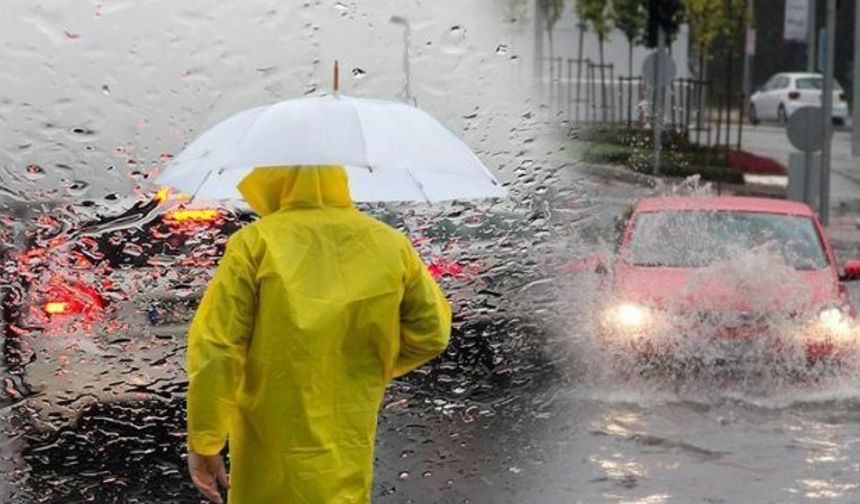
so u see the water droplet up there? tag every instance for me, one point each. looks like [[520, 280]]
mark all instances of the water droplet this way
[[132, 250], [502, 49], [77, 188], [358, 73], [35, 172], [105, 90], [403, 475]]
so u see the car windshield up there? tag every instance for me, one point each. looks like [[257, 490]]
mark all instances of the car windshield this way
[[692, 239], [815, 83]]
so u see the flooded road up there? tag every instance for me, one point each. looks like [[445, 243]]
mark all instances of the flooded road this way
[[582, 444], [522, 408]]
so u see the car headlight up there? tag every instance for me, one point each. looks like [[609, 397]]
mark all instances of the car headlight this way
[[836, 324], [629, 316]]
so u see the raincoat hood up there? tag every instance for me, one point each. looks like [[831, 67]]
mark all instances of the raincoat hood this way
[[268, 190]]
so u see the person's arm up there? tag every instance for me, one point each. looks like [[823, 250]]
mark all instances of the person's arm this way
[[217, 345], [425, 318]]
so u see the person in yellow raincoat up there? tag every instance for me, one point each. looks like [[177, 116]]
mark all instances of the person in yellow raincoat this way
[[312, 311]]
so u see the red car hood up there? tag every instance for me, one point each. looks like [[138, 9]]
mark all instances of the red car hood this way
[[715, 289]]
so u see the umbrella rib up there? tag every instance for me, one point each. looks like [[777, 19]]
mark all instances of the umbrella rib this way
[[420, 185], [354, 108], [202, 183]]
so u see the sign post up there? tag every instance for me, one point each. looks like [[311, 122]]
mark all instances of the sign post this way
[[822, 50], [855, 96], [827, 120], [806, 135], [810, 37]]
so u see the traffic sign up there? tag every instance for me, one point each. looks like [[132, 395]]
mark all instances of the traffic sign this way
[[667, 72], [804, 129]]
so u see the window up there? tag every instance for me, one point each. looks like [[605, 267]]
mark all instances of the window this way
[[693, 239]]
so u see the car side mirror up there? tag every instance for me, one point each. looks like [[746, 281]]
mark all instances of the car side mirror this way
[[851, 271]]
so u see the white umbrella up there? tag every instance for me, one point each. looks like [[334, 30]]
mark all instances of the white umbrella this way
[[392, 151]]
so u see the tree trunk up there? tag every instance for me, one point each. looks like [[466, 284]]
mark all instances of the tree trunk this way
[[629, 83], [602, 82], [552, 98], [701, 87], [729, 100], [579, 69]]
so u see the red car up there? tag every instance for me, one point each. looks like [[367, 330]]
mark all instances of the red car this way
[[722, 279]]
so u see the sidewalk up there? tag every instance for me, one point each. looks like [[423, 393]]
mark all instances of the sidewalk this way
[[771, 141]]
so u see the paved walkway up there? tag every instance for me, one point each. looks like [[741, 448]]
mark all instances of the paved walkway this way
[[771, 141]]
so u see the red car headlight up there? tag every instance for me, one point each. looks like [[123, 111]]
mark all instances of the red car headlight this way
[[836, 325]]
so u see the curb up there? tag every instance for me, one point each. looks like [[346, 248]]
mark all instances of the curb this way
[[621, 173]]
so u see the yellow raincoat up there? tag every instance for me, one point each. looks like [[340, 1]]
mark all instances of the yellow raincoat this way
[[312, 311]]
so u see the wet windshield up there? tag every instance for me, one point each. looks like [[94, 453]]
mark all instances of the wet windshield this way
[[558, 385], [690, 239]]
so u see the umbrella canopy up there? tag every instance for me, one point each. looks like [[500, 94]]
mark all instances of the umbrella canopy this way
[[392, 151]]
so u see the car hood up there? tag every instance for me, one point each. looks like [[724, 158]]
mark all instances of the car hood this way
[[786, 291]]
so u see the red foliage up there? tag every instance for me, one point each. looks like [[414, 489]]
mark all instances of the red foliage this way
[[754, 164]]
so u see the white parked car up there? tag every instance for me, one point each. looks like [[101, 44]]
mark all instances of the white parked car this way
[[784, 93]]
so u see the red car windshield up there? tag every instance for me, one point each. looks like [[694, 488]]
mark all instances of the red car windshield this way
[[693, 239]]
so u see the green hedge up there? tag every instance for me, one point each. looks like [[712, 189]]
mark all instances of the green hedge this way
[[606, 154], [622, 136]]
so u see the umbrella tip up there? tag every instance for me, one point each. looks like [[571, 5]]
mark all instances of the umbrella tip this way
[[336, 83]]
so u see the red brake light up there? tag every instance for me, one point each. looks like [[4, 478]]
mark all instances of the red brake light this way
[[162, 195], [794, 95], [192, 215], [72, 299], [165, 193], [439, 269], [57, 307]]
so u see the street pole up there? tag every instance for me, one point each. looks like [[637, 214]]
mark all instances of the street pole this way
[[658, 99], [827, 112], [538, 45], [855, 95], [407, 69], [749, 53], [810, 37]]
